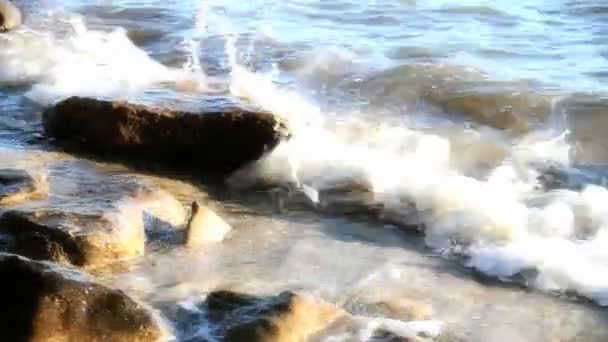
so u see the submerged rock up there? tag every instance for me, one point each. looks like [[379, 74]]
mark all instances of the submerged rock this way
[[205, 226], [10, 16], [215, 143], [18, 185], [90, 237], [42, 302], [233, 316], [573, 177], [290, 317], [285, 317]]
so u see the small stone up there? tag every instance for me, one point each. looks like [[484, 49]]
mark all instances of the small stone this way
[[205, 226]]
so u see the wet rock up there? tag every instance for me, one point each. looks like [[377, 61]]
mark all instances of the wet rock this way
[[285, 317], [43, 302], [573, 177], [205, 226], [73, 238], [217, 142], [85, 240], [289, 317], [18, 185], [10, 16]]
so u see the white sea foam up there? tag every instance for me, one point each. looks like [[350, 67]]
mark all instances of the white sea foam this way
[[83, 62], [501, 222], [497, 219]]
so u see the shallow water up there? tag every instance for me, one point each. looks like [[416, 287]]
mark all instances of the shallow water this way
[[454, 107]]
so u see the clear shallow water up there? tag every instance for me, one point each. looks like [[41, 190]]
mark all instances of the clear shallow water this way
[[454, 107]]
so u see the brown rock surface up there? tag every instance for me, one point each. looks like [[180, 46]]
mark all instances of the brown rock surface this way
[[42, 303], [217, 142]]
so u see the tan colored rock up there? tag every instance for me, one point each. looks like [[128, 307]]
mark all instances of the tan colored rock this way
[[216, 142], [74, 238], [205, 226], [10, 16], [18, 185], [45, 303], [89, 236]]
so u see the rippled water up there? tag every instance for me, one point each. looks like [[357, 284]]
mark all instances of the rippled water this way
[[458, 108]]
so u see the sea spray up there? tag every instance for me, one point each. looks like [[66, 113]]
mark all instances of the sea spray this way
[[495, 221]]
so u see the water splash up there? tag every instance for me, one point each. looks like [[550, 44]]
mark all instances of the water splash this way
[[501, 222]]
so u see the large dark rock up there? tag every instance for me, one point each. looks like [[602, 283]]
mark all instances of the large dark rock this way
[[42, 302], [215, 143], [10, 16]]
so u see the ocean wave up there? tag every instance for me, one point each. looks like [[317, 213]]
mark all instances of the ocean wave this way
[[500, 221], [478, 192], [460, 90], [82, 62]]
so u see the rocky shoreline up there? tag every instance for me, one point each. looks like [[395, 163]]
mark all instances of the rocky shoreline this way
[[46, 249], [61, 243]]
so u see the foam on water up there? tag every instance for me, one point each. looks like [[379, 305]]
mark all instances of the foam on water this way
[[501, 222], [83, 62]]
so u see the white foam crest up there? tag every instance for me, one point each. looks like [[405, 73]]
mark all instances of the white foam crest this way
[[497, 220], [259, 89], [128, 215], [85, 63], [559, 264]]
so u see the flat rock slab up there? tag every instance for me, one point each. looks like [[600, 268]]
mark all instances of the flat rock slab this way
[[18, 185], [89, 238], [215, 143], [43, 302]]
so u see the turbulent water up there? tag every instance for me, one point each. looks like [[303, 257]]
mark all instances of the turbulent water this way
[[487, 117]]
